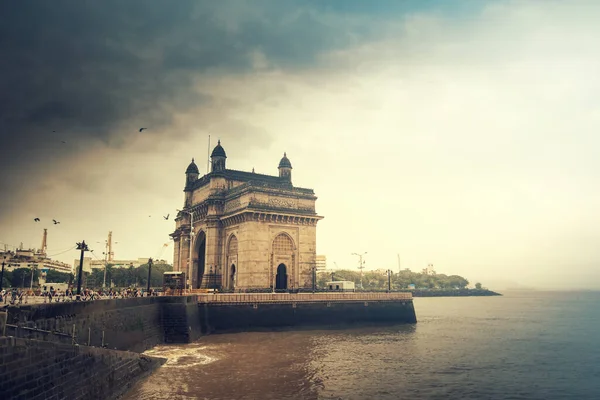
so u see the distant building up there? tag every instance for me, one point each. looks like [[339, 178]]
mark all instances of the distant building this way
[[429, 270], [31, 258], [321, 263], [380, 271]]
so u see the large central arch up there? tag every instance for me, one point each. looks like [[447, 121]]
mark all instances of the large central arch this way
[[199, 260]]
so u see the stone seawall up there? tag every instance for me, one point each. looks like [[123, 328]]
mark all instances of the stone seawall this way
[[138, 324], [135, 324], [181, 320], [222, 317], [33, 369]]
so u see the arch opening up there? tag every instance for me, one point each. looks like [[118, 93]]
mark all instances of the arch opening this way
[[232, 277], [232, 252], [199, 260], [281, 277]]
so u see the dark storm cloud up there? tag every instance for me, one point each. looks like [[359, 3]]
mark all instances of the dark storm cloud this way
[[84, 68]]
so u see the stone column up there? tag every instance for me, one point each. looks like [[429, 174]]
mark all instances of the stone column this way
[[184, 254], [176, 253], [213, 246]]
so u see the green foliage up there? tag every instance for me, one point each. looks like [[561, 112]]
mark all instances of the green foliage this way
[[53, 276], [376, 281], [131, 276], [478, 286], [6, 280], [20, 277]]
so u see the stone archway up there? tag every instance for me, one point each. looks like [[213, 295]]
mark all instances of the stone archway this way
[[199, 260], [281, 278], [283, 254]]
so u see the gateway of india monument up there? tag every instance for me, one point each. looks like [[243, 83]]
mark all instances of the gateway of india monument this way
[[242, 230]]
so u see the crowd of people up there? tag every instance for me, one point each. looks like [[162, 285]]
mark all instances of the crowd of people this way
[[49, 294]]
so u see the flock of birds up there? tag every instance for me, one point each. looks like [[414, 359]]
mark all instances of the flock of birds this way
[[166, 218], [54, 221]]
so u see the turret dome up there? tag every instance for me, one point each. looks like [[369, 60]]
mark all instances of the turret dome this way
[[218, 151], [285, 162], [192, 168]]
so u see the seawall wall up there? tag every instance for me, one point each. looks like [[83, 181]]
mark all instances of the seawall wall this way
[[139, 324], [135, 324], [33, 369], [222, 317]]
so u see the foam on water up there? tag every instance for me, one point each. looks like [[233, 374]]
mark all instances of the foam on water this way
[[182, 356]]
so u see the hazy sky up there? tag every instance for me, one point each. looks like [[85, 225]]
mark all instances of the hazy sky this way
[[463, 136]]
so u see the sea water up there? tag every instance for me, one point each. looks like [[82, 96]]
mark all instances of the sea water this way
[[523, 345]]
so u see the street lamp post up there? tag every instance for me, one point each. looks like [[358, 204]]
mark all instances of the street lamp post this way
[[149, 274], [31, 283], [389, 280], [361, 265], [105, 263], [191, 214], [83, 247], [314, 278], [2, 273], [106, 259]]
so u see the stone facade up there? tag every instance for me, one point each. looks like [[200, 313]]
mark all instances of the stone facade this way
[[248, 230]]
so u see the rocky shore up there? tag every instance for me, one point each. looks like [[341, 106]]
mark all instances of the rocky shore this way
[[453, 293]]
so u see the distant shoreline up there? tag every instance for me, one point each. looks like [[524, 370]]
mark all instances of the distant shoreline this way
[[454, 293]]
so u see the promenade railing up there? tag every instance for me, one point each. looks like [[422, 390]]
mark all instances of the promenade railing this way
[[300, 297]]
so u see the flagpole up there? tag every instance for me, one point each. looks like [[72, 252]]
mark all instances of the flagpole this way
[[208, 156]]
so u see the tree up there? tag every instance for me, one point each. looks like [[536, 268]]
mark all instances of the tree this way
[[478, 286], [53, 276], [21, 277], [128, 276], [458, 282], [6, 281]]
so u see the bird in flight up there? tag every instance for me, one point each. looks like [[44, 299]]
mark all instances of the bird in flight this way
[[141, 129], [36, 219], [167, 217], [55, 222]]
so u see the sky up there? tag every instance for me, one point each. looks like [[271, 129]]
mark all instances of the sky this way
[[461, 135]]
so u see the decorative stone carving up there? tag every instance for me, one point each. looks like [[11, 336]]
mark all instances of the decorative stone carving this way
[[232, 205], [282, 203]]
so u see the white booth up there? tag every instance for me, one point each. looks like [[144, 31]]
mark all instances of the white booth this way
[[341, 286]]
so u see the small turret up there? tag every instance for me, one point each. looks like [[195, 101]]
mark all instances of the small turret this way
[[285, 168], [191, 173], [217, 158]]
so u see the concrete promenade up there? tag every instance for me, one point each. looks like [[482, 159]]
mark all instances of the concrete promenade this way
[[232, 298], [238, 298]]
